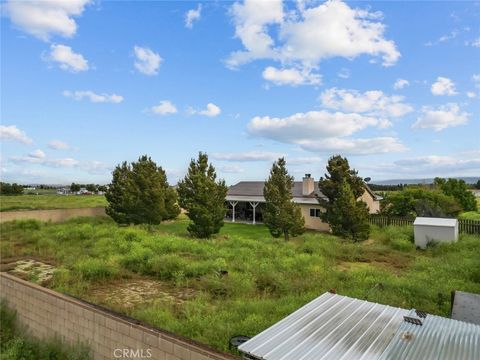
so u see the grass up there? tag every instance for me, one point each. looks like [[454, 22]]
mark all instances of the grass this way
[[243, 280], [44, 202], [16, 344]]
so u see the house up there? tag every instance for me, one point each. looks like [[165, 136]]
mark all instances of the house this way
[[333, 327], [245, 202]]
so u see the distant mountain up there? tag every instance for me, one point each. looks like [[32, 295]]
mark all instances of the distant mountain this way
[[468, 180]]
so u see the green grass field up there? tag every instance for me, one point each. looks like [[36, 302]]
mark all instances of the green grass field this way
[[43, 202], [242, 280]]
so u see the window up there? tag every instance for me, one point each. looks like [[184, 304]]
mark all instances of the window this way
[[315, 212]]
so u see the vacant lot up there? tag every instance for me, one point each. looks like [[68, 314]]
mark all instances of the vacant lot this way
[[239, 282], [39, 202]]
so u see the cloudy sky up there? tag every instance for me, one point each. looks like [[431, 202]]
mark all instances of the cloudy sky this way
[[85, 85]]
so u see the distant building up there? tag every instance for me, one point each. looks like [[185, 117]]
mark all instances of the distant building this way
[[246, 201]]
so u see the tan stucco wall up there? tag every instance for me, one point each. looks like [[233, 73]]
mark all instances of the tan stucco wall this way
[[57, 215], [47, 314], [373, 205], [313, 223]]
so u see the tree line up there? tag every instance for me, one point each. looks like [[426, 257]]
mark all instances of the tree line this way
[[140, 193], [444, 198], [10, 189]]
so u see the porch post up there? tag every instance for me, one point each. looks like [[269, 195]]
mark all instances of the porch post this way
[[254, 206], [233, 203]]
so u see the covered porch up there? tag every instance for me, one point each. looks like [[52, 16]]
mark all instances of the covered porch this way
[[244, 211]]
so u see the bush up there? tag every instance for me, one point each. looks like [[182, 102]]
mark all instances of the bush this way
[[15, 345], [96, 269]]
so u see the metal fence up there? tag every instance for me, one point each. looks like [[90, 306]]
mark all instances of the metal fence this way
[[464, 226]]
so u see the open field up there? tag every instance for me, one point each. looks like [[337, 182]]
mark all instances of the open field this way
[[239, 282], [43, 202]]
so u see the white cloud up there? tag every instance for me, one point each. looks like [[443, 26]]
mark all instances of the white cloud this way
[[57, 163], [308, 35], [38, 154], [378, 145], [231, 169], [466, 163], [164, 108], [452, 35], [45, 18], [442, 117], [476, 80], [471, 94], [247, 156], [373, 102], [443, 86], [400, 84], [310, 125], [291, 76], [193, 15], [67, 59], [344, 73], [11, 132], [93, 97], [305, 160], [474, 42], [147, 61], [58, 145], [212, 110], [434, 164], [323, 131]]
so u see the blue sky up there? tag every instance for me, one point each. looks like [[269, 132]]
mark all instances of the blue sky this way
[[394, 86]]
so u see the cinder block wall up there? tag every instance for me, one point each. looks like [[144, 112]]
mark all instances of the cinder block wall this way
[[47, 314], [56, 215]]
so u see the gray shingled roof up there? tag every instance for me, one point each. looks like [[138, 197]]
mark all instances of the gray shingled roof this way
[[255, 188]]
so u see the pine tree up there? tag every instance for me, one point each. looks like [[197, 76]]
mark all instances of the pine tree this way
[[281, 215], [203, 197], [344, 212], [140, 194]]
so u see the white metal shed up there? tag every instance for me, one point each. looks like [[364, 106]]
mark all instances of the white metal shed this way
[[429, 229]]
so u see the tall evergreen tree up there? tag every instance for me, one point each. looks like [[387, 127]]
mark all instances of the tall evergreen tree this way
[[281, 215], [203, 197], [140, 194], [344, 212]]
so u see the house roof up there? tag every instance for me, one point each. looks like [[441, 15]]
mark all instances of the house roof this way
[[255, 188], [253, 191], [431, 221], [339, 327]]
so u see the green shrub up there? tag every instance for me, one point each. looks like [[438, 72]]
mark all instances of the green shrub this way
[[96, 269]]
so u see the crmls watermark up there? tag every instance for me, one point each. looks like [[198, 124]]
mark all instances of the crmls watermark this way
[[132, 353]]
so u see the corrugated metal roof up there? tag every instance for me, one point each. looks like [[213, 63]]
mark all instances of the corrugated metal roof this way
[[336, 327], [435, 221], [438, 338], [330, 327]]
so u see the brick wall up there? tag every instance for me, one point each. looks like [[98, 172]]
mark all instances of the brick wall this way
[[47, 314], [56, 215]]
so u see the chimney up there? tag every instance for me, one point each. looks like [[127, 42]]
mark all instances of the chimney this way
[[308, 185]]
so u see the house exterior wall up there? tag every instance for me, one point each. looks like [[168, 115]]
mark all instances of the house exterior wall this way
[[313, 223], [373, 205]]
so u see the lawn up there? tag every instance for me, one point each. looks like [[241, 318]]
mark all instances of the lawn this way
[[41, 202], [242, 280]]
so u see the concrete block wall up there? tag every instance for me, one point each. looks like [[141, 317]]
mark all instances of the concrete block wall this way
[[48, 314]]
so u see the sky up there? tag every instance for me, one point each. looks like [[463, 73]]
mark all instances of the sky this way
[[88, 84]]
